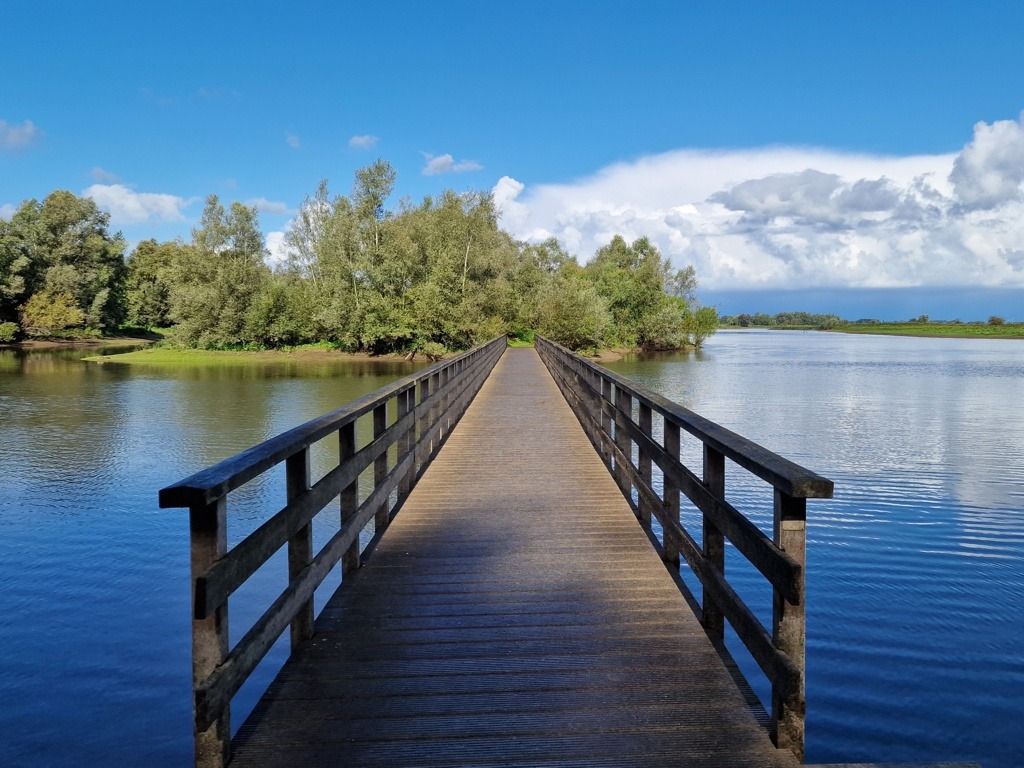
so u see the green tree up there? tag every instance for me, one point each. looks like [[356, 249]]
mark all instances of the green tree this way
[[571, 311], [216, 277], [150, 275], [51, 314], [82, 258]]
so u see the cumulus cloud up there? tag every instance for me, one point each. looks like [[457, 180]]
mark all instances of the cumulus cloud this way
[[268, 206], [17, 136], [126, 206], [363, 142], [439, 164], [293, 141], [783, 217], [7, 211], [103, 177], [277, 250], [990, 169]]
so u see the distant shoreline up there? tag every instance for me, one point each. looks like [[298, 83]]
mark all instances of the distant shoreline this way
[[918, 330]]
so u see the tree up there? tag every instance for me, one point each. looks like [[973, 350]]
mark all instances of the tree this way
[[150, 270], [62, 246], [571, 311], [51, 314], [216, 277], [83, 259]]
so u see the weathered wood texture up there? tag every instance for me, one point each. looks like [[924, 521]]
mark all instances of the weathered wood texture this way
[[513, 614], [625, 438], [418, 430]]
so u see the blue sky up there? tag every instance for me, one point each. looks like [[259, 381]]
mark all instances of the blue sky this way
[[822, 148]]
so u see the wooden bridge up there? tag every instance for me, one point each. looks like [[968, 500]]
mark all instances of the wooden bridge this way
[[525, 608]]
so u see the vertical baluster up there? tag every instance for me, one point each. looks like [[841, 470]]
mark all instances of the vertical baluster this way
[[789, 624], [647, 427], [714, 542], [380, 467], [606, 419], [406, 403], [670, 440], [350, 495], [421, 427], [624, 406], [209, 542], [300, 546]]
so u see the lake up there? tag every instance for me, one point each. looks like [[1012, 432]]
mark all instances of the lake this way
[[915, 580], [915, 570]]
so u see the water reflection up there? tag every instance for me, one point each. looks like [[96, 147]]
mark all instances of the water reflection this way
[[93, 577], [916, 568]]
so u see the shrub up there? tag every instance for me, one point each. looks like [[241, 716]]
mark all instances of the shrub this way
[[996, 320], [8, 332]]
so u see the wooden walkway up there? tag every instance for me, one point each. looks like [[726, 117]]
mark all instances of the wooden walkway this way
[[514, 614]]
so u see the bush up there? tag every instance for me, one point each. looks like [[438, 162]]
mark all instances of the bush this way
[[47, 314], [8, 332], [996, 320]]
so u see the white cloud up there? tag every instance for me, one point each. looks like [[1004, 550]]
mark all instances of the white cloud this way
[[277, 250], [104, 177], [436, 165], [17, 136], [363, 142], [126, 206], [293, 141], [268, 206], [990, 169], [785, 217], [7, 211]]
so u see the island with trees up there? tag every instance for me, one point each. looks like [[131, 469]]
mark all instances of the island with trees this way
[[426, 278]]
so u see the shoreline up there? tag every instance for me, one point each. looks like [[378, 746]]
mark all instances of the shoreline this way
[[174, 356], [111, 341]]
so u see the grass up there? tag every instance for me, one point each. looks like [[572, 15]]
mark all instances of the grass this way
[[172, 356], [943, 330]]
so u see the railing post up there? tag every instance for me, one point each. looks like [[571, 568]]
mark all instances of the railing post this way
[[670, 440], [300, 546], [209, 542], [349, 498], [606, 403], [714, 541], [380, 467], [647, 427], [789, 630], [406, 403], [421, 426], [624, 406]]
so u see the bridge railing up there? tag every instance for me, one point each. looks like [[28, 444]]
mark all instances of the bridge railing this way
[[415, 414], [618, 417]]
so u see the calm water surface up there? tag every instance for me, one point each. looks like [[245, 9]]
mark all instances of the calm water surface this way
[[916, 568], [915, 583], [94, 589]]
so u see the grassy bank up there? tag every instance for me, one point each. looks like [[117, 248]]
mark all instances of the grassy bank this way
[[938, 330], [171, 356]]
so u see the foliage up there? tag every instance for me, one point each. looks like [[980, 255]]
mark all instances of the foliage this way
[[359, 276], [51, 314], [62, 247], [8, 332], [996, 320], [572, 312]]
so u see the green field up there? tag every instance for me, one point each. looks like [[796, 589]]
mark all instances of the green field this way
[[944, 330], [177, 357]]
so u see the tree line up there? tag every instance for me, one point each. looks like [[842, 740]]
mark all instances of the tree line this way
[[434, 276]]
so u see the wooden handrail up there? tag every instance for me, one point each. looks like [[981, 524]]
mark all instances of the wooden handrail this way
[[422, 409], [604, 403]]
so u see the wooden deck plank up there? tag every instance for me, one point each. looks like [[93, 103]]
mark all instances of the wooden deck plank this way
[[514, 614]]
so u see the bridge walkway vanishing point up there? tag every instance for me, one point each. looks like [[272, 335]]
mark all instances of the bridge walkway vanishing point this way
[[514, 614], [519, 602]]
